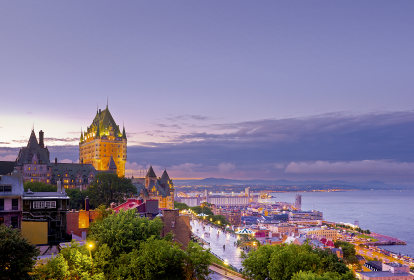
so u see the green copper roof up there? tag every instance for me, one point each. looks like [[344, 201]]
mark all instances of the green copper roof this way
[[103, 124]]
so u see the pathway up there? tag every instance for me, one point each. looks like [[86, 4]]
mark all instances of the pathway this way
[[217, 239]]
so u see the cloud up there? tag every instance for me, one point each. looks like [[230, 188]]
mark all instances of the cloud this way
[[187, 167], [353, 167], [68, 161], [8, 158], [279, 166], [189, 117], [226, 167], [67, 139]]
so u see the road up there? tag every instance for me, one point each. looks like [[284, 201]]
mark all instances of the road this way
[[231, 253]]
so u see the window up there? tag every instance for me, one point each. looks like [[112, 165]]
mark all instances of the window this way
[[35, 169], [66, 181], [14, 222], [50, 204], [1, 204], [28, 168], [1, 220], [47, 181], [35, 163], [15, 204], [38, 204], [5, 188]]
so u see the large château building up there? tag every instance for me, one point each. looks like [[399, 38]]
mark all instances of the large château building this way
[[103, 144]]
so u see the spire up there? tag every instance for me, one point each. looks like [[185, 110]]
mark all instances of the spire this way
[[123, 131], [81, 138], [165, 178], [97, 108], [107, 101], [32, 138]]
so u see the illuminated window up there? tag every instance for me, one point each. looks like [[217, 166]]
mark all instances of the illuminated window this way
[[35, 162], [47, 180], [35, 168], [28, 168], [31, 180]]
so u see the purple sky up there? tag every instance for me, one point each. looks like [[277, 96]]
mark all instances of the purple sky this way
[[234, 89]]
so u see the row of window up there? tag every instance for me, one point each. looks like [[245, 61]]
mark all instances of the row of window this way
[[44, 204], [5, 188]]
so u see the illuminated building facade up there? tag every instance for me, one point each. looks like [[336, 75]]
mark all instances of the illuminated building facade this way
[[103, 144], [151, 187]]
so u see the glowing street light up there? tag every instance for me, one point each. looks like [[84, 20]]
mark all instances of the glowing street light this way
[[226, 263], [90, 245]]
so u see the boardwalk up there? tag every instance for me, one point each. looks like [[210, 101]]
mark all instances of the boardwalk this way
[[231, 253]]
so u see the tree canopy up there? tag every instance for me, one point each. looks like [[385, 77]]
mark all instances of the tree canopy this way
[[108, 187], [128, 247], [283, 262], [17, 256], [39, 187], [180, 206]]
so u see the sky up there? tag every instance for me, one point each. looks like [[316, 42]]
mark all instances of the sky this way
[[296, 90]]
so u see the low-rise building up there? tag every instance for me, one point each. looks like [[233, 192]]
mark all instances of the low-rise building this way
[[44, 217], [388, 271], [331, 234], [11, 191], [305, 215]]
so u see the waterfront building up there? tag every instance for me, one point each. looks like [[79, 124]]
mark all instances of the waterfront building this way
[[233, 216], [305, 215], [151, 187], [388, 271], [102, 142], [11, 191], [331, 234]]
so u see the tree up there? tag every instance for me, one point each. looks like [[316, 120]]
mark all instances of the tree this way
[[199, 210], [77, 198], [196, 262], [180, 206], [102, 212], [39, 187], [17, 256], [325, 276], [73, 262], [256, 263], [108, 187], [348, 250], [283, 262]]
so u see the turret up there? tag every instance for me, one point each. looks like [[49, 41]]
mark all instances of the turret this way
[[81, 137], [97, 135], [123, 133]]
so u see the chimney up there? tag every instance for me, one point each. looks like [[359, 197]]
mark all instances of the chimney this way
[[55, 160], [59, 186], [87, 204], [41, 143]]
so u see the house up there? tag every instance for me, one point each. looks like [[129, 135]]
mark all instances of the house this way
[[11, 191]]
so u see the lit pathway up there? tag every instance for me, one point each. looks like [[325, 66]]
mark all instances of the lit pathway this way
[[231, 253]]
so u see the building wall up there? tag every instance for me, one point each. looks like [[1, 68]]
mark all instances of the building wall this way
[[79, 221], [327, 233], [178, 225], [35, 232], [98, 152]]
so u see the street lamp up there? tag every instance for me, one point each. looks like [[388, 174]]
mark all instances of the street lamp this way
[[90, 254], [226, 263]]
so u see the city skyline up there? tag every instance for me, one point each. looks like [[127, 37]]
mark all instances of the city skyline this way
[[317, 91]]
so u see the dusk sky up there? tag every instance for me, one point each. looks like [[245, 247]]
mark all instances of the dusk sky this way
[[297, 90]]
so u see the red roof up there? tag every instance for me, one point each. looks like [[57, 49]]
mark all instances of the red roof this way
[[131, 203]]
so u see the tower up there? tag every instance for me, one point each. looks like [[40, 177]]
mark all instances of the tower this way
[[298, 202], [103, 144]]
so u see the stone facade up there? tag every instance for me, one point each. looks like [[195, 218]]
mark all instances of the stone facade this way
[[103, 141]]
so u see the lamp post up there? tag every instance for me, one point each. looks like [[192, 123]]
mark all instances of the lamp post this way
[[90, 254], [225, 266]]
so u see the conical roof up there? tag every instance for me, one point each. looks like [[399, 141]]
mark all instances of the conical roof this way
[[151, 173], [112, 164], [165, 178]]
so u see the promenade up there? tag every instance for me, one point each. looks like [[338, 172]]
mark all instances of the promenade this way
[[216, 239]]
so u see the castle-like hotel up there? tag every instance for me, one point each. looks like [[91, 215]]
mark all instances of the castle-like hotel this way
[[102, 148]]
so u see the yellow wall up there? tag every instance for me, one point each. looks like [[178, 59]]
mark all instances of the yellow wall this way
[[83, 219], [35, 232]]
